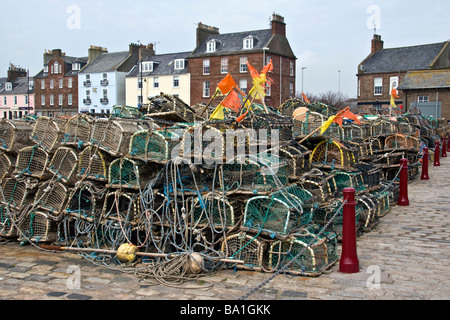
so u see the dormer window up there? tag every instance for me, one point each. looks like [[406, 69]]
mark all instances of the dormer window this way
[[179, 64], [211, 46], [147, 66], [31, 85], [248, 42], [76, 66], [56, 68], [8, 86], [46, 68]]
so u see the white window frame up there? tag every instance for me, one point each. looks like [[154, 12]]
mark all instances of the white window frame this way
[[248, 43], [52, 100], [243, 85], [423, 99], [52, 84], [70, 84], [211, 46], [56, 67], [146, 66], [69, 99], [206, 67], [61, 83], [206, 89], [46, 69], [8, 86], [179, 64], [156, 83], [105, 93], [224, 65], [60, 100], [378, 86], [243, 68], [176, 81], [291, 68], [43, 99], [43, 84]]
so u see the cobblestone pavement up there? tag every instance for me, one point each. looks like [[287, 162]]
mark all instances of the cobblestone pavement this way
[[410, 247]]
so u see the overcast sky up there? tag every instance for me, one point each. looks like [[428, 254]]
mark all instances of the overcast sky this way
[[326, 36]]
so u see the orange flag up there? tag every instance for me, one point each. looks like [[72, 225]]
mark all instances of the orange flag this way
[[226, 84], [347, 114], [232, 101], [305, 99]]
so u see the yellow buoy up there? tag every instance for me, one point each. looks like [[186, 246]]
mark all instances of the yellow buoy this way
[[300, 114], [194, 265], [127, 252]]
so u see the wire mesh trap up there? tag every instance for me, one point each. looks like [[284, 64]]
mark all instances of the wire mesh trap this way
[[17, 193], [86, 200], [93, 164], [15, 134], [304, 253], [32, 161], [7, 165], [250, 249], [7, 226], [276, 125], [320, 183], [37, 227], [215, 212], [128, 173], [78, 131], [51, 196], [48, 133], [64, 165], [332, 154], [169, 107]]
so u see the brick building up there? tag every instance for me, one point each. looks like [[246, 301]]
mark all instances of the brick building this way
[[419, 73], [56, 86], [217, 54]]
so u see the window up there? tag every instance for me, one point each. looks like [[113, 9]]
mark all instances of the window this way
[[31, 85], [378, 86], [43, 100], [69, 99], [146, 66], [105, 93], [4, 101], [46, 69], [43, 84], [61, 83], [88, 94], [224, 65], [243, 85], [88, 77], [155, 83], [51, 84], [248, 42], [179, 64], [268, 89], [359, 87], [105, 76], [26, 100], [140, 100], [291, 89], [243, 68], [56, 67], [8, 86], [76, 66], [15, 100], [60, 100], [206, 89], [176, 81], [291, 69], [206, 67], [69, 82], [211, 46], [140, 83], [422, 99], [52, 100]]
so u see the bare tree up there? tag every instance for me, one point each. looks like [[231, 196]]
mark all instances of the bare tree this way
[[331, 98]]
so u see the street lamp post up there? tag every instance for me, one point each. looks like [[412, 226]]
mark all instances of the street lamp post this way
[[302, 78]]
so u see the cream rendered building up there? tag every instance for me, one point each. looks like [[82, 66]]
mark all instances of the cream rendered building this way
[[156, 74]]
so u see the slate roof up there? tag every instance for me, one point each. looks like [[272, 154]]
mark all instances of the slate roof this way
[[106, 62], [164, 65], [402, 59], [432, 79], [20, 86]]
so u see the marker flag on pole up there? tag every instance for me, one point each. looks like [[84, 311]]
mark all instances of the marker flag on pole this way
[[227, 84], [305, 98], [338, 119]]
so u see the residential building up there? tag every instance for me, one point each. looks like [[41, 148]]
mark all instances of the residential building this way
[[16, 94], [102, 81], [419, 73], [217, 54], [56, 86], [167, 73]]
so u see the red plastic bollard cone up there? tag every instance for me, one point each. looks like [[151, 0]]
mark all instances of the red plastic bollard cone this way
[[403, 199], [437, 151], [444, 148], [349, 262], [425, 160]]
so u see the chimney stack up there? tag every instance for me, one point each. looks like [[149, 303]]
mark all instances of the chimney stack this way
[[141, 51], [204, 31], [15, 72], [377, 44], [94, 52], [278, 25]]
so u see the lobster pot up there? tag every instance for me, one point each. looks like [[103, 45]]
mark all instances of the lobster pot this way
[[370, 212], [323, 109], [32, 161], [113, 136], [307, 123], [51, 196], [332, 154], [78, 131], [131, 174], [93, 164], [126, 112], [289, 106], [406, 128], [371, 174], [383, 128], [391, 173], [64, 165], [322, 186], [297, 160], [17, 193], [7, 164], [376, 145], [304, 255], [15, 135], [203, 144], [348, 180], [412, 142], [155, 145], [384, 198], [37, 227], [7, 228], [214, 211], [414, 170], [169, 107], [300, 202], [361, 149], [352, 132], [278, 127], [48, 133], [76, 230], [245, 247], [122, 207], [395, 141], [269, 216], [86, 201]]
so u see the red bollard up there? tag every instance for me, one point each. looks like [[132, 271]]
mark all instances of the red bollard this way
[[437, 151], [448, 143], [349, 262], [444, 148], [403, 199], [425, 159]]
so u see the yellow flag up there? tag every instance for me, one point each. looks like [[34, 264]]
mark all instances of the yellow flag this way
[[218, 113], [326, 124]]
